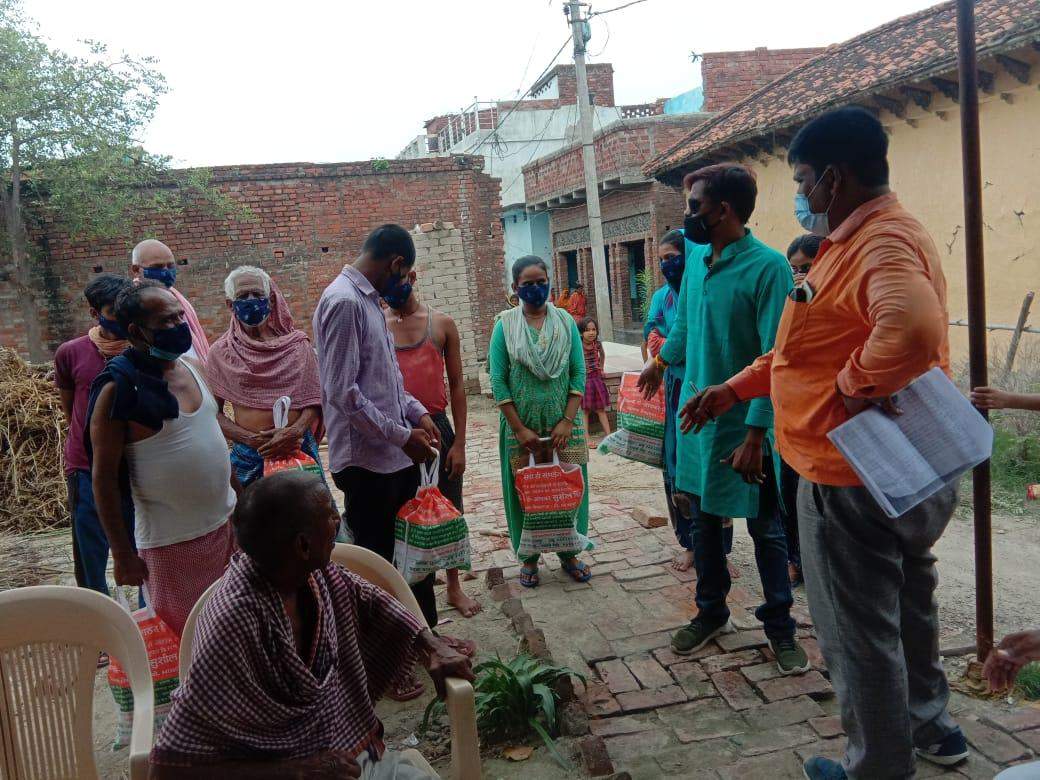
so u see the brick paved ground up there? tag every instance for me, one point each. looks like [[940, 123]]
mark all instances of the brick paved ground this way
[[722, 713]]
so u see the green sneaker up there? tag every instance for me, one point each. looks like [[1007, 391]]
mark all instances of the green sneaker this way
[[790, 657], [696, 635]]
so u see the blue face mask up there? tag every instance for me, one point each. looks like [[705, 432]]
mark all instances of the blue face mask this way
[[816, 223], [170, 343], [252, 311], [534, 294], [167, 276], [672, 269], [112, 326], [397, 296]]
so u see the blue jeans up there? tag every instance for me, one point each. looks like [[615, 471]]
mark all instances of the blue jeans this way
[[709, 558], [89, 543]]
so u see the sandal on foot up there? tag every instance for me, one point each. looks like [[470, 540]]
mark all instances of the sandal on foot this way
[[529, 576], [405, 688], [466, 647], [580, 572]]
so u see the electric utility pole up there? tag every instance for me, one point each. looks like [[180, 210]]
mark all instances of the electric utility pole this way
[[588, 156]]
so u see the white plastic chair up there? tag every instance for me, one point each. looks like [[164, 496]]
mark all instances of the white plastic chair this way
[[459, 701], [50, 637]]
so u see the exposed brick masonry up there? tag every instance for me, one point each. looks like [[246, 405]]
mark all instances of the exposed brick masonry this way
[[308, 221], [730, 76]]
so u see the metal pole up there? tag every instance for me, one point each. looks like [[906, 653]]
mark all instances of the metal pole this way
[[1016, 337], [588, 157], [972, 168]]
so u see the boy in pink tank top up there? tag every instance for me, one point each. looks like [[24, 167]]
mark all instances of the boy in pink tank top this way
[[427, 343]]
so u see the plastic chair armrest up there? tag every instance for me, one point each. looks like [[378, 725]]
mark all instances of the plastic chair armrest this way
[[141, 736], [465, 744]]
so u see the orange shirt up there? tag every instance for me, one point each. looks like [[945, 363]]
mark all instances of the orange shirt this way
[[877, 321]]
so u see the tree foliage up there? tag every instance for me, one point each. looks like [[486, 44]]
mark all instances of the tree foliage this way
[[70, 147]]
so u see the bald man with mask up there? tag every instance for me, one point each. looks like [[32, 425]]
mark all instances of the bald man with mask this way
[[152, 259]]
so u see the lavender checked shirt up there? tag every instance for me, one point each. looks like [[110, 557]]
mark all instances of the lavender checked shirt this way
[[368, 413]]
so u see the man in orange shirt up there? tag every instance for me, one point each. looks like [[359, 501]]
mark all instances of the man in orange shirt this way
[[869, 318]]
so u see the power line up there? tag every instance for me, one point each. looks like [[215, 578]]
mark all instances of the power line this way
[[516, 104], [611, 10]]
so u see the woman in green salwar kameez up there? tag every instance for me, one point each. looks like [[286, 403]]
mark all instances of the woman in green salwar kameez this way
[[537, 373]]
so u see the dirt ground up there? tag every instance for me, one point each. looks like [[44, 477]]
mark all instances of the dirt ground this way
[[1016, 548]]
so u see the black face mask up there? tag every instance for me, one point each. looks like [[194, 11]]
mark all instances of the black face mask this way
[[697, 228]]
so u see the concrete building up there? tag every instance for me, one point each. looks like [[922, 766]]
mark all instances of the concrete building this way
[[510, 134], [906, 71]]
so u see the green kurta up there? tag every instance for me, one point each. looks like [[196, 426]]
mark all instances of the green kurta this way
[[730, 310], [540, 405]]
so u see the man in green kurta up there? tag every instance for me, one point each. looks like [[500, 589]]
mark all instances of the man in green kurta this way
[[732, 294]]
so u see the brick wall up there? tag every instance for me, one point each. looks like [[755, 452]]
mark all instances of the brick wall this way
[[641, 214], [730, 76], [308, 221], [601, 84], [446, 283], [620, 149]]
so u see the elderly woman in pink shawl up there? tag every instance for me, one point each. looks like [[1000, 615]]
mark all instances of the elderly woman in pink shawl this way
[[261, 358]]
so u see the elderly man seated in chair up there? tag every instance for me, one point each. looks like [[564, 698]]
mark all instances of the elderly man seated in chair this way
[[291, 653]]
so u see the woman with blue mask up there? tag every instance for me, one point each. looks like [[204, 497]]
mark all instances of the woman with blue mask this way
[[537, 369]]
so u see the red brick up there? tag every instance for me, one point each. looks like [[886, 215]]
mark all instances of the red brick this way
[[809, 684], [756, 743], [649, 673], [616, 676], [638, 701], [735, 690], [1019, 719], [598, 701], [729, 661], [827, 726], [741, 640], [994, 745], [1030, 738], [594, 756]]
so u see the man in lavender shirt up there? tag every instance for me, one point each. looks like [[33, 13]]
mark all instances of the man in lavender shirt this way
[[377, 431]]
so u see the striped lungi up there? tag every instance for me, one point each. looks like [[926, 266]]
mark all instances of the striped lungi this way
[[179, 573]]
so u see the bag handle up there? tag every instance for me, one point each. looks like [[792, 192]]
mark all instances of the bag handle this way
[[124, 602], [555, 460], [429, 473], [281, 411]]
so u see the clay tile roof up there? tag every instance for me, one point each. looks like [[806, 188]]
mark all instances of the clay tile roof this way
[[907, 49]]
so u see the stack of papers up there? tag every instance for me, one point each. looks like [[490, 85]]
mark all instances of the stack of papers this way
[[904, 459]]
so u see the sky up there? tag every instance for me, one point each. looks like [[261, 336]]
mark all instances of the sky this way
[[260, 81]]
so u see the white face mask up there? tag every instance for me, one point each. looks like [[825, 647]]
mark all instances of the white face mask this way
[[816, 223]]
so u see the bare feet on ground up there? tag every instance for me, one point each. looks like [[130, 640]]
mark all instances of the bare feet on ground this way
[[683, 561], [457, 596]]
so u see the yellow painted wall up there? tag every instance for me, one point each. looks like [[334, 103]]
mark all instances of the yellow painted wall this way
[[926, 174]]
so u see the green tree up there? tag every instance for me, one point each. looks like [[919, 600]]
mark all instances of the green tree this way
[[70, 149]]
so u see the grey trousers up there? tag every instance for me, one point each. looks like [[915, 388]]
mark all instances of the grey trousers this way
[[870, 582]]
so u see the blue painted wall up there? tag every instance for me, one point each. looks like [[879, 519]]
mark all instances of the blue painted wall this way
[[525, 234], [686, 103]]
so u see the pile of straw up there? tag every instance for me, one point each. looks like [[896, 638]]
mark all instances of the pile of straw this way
[[32, 424]]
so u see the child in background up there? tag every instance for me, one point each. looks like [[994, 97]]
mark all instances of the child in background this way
[[596, 398], [995, 398]]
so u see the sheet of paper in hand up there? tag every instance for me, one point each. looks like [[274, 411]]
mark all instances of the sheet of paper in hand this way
[[904, 459]]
